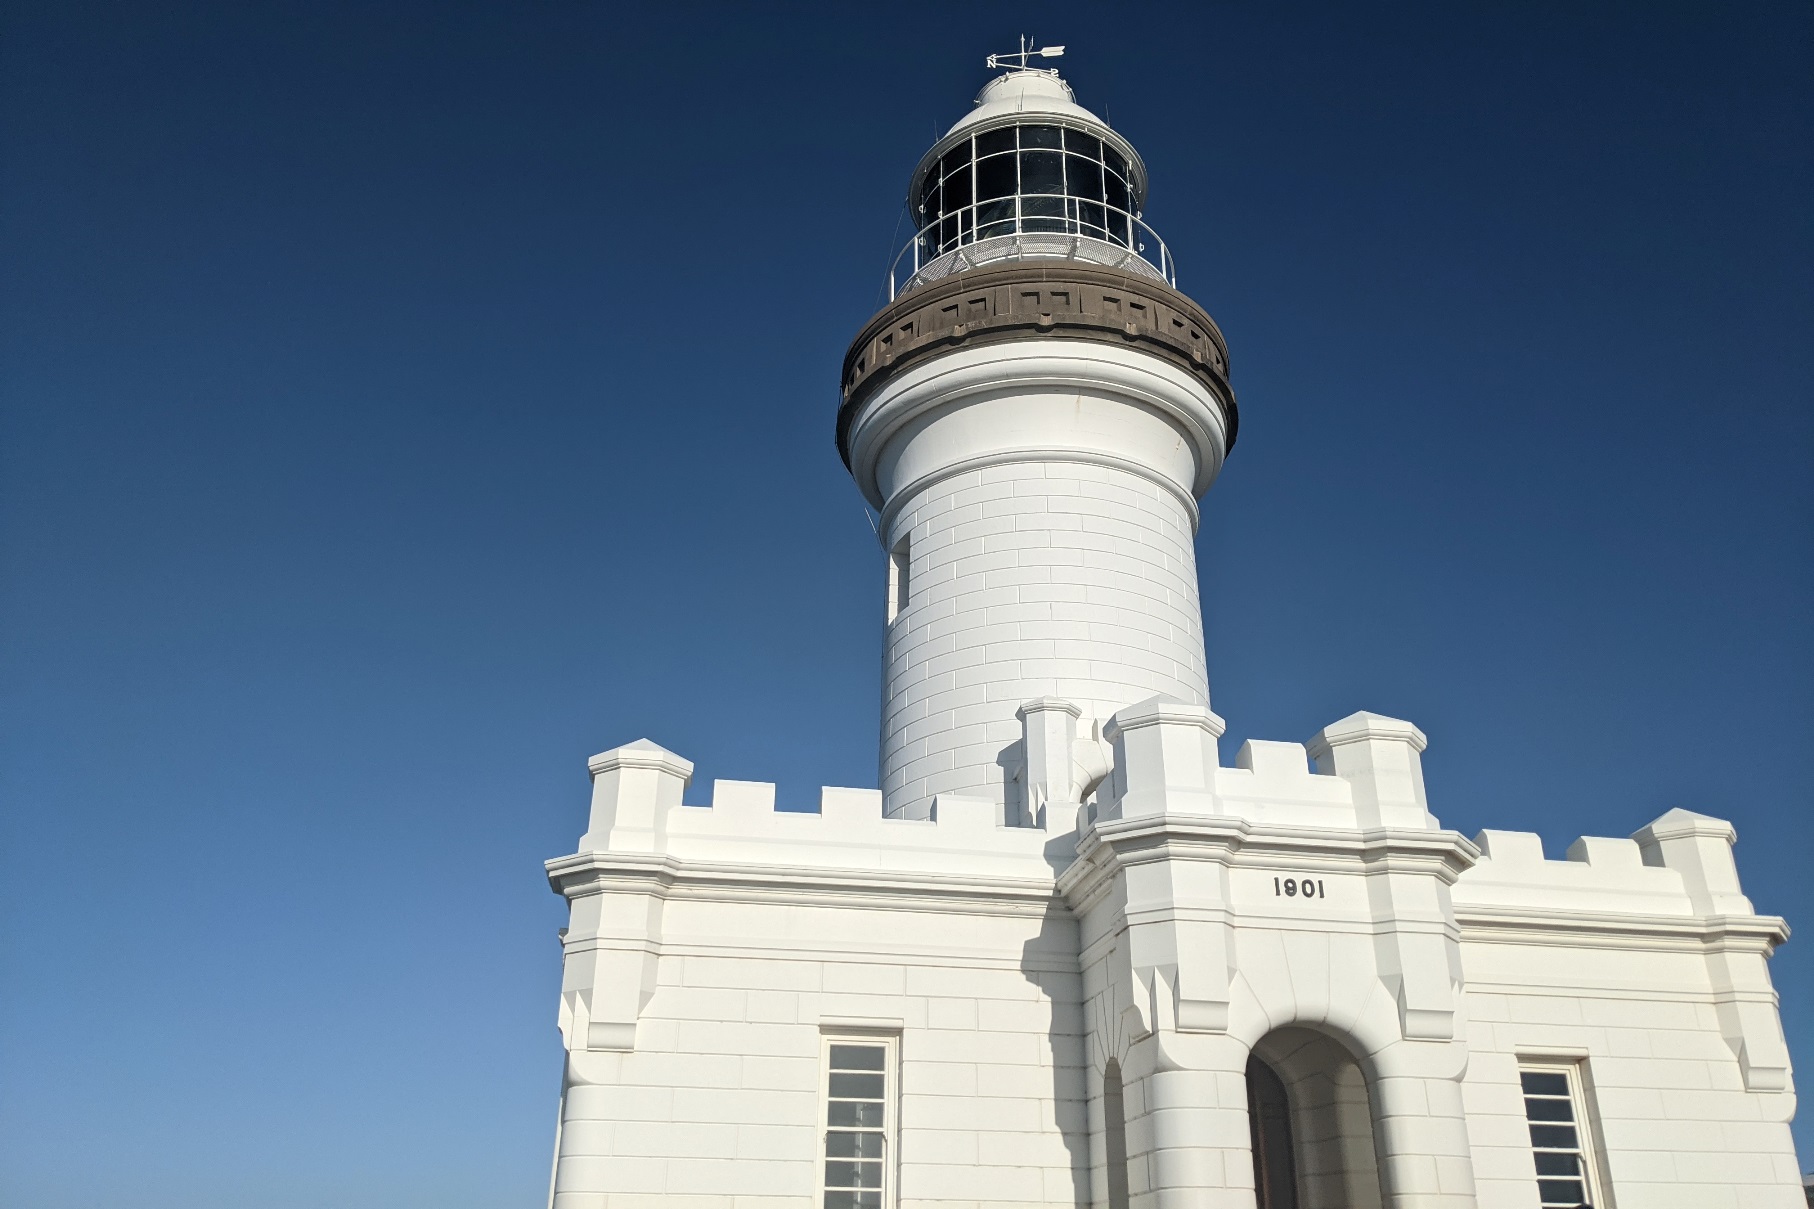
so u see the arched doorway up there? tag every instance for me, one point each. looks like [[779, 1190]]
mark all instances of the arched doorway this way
[[1311, 1124], [1275, 1179]]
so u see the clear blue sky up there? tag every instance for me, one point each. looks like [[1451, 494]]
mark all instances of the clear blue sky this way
[[404, 401]]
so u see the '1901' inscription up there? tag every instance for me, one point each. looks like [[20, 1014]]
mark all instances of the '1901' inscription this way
[[1292, 887]]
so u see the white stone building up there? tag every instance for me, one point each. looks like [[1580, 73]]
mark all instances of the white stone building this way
[[1066, 956]]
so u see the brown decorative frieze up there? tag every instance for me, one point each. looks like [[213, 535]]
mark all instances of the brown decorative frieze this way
[[1034, 298]]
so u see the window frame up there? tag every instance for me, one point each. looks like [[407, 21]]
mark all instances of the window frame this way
[[890, 1043], [1587, 1148], [900, 577]]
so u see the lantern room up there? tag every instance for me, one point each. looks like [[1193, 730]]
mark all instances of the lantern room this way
[[1028, 173]]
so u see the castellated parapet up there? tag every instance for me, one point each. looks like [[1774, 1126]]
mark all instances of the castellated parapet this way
[[1018, 959]]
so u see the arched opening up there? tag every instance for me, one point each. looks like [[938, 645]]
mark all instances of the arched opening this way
[[1275, 1179], [1114, 1130], [1311, 1123]]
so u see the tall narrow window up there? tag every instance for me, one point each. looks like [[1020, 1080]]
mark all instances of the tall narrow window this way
[[1114, 1128], [859, 1123], [1559, 1137], [899, 560]]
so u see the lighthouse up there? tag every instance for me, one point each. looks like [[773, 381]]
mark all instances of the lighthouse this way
[[1034, 416], [1064, 954]]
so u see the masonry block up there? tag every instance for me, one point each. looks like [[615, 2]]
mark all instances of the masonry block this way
[[1383, 759], [633, 788], [1603, 852], [1700, 849], [1165, 757], [1272, 761], [1511, 847], [1048, 733]]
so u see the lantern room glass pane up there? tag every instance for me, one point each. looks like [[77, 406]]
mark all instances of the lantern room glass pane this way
[[1042, 213], [1115, 162], [1115, 192], [1041, 136], [992, 141], [1082, 178], [1041, 172], [1120, 229], [1083, 144], [995, 218], [957, 189], [1091, 220], [995, 177]]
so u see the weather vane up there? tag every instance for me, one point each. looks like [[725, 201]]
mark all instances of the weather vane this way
[[1026, 52]]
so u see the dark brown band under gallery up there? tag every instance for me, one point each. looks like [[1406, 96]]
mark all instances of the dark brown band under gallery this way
[[1030, 298]]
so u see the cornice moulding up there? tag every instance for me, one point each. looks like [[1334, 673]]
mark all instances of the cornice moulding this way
[[1561, 925], [596, 872], [641, 754], [1364, 727], [1114, 844]]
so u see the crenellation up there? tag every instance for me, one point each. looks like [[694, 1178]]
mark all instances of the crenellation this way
[[1606, 854], [1599, 874]]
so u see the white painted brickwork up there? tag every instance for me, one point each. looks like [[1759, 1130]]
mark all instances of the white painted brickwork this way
[[1031, 579]]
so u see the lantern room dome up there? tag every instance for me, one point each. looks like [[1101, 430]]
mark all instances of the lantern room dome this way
[[1025, 92]]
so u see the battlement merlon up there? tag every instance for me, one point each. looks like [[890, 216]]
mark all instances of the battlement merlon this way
[[633, 788]]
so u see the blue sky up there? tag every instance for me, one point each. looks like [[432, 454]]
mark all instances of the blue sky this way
[[402, 402]]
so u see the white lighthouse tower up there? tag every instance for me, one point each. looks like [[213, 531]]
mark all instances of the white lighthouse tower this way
[[1064, 957], [1034, 417]]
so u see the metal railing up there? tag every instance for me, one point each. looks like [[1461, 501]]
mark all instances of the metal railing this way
[[1004, 229]]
